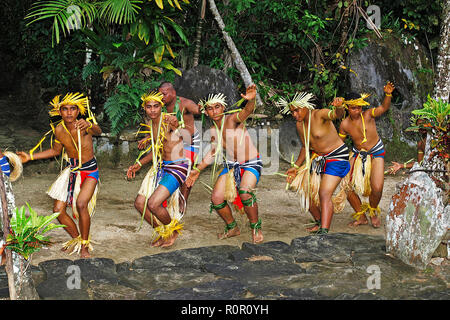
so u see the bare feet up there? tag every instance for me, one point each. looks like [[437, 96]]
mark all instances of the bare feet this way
[[313, 228], [169, 242], [361, 221], [158, 243], [230, 233], [84, 252], [375, 220], [257, 236]]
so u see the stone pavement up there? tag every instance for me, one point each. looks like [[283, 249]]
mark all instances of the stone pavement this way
[[334, 266]]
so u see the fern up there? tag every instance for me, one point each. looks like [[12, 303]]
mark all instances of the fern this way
[[123, 107], [90, 69]]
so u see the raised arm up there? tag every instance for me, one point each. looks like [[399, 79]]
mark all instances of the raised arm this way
[[337, 112], [250, 96], [191, 106], [378, 111]]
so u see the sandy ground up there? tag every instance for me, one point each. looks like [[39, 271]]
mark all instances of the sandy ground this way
[[115, 225]]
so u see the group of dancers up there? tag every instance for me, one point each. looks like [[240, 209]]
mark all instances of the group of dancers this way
[[170, 148]]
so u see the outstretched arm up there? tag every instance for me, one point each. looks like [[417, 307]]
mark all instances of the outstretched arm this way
[[191, 106], [250, 96], [378, 111], [46, 154]]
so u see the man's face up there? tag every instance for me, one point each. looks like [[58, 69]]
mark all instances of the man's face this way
[[354, 111], [69, 113], [152, 109], [298, 113], [215, 111], [168, 93]]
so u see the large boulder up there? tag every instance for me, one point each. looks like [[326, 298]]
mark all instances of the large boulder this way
[[418, 219], [405, 63], [197, 83]]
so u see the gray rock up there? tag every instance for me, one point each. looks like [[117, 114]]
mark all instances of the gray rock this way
[[194, 257], [199, 82], [98, 269], [56, 288], [221, 289], [417, 220], [406, 65]]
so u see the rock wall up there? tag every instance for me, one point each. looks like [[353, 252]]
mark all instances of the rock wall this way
[[197, 83], [406, 64]]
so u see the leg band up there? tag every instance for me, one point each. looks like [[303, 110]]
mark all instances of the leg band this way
[[374, 211], [217, 206], [256, 226], [364, 208], [248, 202], [230, 226]]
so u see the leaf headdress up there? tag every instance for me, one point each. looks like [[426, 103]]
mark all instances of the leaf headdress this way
[[300, 100]]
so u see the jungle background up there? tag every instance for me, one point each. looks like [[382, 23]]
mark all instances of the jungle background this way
[[123, 48]]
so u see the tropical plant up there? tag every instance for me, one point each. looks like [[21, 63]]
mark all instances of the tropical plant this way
[[123, 106], [435, 116], [80, 14], [27, 232]]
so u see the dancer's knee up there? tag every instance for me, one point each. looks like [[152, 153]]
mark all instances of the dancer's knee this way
[[217, 198]]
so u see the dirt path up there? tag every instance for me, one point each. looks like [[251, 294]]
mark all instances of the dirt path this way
[[115, 225]]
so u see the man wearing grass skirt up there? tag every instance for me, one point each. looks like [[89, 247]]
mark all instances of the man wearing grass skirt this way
[[159, 199], [324, 156], [76, 185]]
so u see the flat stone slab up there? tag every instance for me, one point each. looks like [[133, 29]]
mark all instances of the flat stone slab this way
[[334, 266]]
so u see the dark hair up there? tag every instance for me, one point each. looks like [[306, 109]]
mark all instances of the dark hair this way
[[352, 95]]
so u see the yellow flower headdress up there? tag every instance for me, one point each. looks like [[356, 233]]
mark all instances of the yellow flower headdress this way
[[152, 96], [359, 101], [74, 99], [213, 99], [300, 100]]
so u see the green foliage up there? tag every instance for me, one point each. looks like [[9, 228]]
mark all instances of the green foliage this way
[[62, 65], [435, 112], [27, 233], [123, 107], [435, 118]]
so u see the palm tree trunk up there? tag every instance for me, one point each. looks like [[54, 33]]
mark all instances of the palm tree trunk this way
[[442, 77], [198, 37], [441, 85], [237, 59]]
